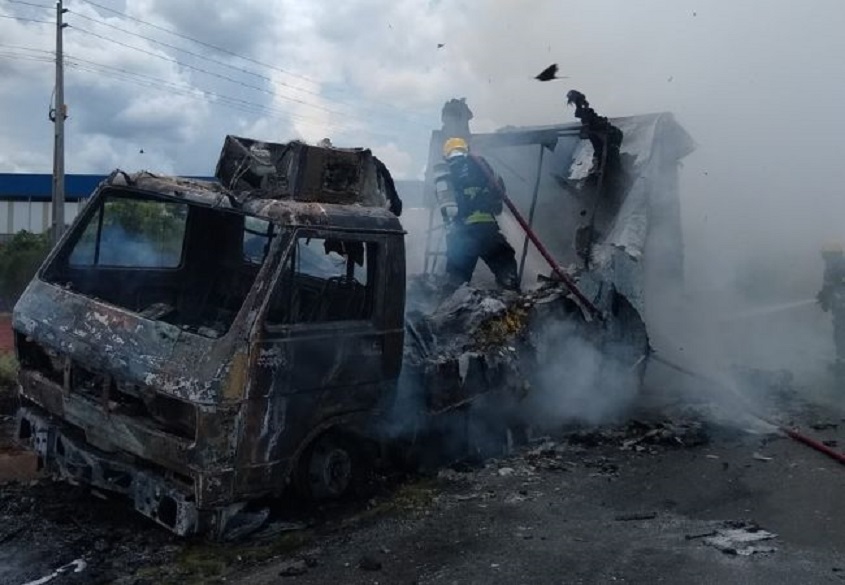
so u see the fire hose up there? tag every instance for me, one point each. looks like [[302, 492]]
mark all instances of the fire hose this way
[[791, 433], [556, 268], [573, 288], [559, 272]]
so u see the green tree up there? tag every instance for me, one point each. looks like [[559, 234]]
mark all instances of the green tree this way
[[20, 258], [162, 224], [135, 232]]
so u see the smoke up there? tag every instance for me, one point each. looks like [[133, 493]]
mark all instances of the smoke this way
[[761, 193], [758, 197], [578, 381]]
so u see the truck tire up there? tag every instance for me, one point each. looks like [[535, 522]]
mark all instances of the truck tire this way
[[331, 467]]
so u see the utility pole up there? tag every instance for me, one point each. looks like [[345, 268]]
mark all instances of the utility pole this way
[[58, 115]]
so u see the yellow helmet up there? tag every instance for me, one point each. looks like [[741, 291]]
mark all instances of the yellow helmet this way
[[453, 144]]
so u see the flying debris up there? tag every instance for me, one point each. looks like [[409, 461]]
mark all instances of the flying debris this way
[[549, 73]]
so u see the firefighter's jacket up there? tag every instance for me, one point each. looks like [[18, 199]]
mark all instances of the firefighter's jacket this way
[[478, 191]]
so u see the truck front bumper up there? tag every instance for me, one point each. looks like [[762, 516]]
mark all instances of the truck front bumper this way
[[165, 500]]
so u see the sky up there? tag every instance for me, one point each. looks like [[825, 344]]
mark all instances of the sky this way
[[757, 83]]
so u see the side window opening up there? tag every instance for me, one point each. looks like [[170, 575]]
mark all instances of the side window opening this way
[[324, 280], [258, 237]]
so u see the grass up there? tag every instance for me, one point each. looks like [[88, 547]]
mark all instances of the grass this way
[[202, 562], [8, 371], [8, 383]]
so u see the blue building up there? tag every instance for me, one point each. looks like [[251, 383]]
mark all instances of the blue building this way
[[25, 200]]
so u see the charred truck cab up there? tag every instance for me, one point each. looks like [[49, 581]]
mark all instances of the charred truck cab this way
[[195, 345]]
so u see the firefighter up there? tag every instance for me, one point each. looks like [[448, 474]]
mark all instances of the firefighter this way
[[832, 298], [474, 232]]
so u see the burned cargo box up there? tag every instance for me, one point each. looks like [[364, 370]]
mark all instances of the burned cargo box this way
[[504, 353], [602, 195], [594, 207], [195, 347]]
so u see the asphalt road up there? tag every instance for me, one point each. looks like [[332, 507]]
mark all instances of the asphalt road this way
[[618, 505], [538, 526]]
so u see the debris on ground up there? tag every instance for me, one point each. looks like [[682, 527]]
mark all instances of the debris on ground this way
[[369, 563], [636, 516], [17, 464], [701, 535], [477, 342], [293, 568], [50, 524], [741, 538], [75, 566], [549, 456], [640, 435]]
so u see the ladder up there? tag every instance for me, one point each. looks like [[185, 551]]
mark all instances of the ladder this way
[[438, 223]]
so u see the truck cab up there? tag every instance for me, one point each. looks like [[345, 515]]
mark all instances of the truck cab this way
[[194, 346]]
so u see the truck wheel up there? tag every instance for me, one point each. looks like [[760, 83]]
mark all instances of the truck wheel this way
[[330, 468]]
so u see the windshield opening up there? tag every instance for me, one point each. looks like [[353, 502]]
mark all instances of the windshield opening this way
[[169, 261]]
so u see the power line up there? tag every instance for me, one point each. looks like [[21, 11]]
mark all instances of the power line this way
[[197, 41], [203, 95], [152, 81], [22, 19], [34, 49], [205, 71], [31, 4], [16, 56], [171, 89], [215, 61], [237, 55], [149, 79], [223, 64], [47, 56]]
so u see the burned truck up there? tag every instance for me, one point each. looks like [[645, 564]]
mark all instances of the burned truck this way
[[196, 344]]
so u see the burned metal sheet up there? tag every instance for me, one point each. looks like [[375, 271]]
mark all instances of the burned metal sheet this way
[[296, 171], [479, 343], [602, 226]]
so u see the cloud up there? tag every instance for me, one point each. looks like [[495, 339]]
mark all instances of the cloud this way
[[757, 84], [235, 26], [400, 163]]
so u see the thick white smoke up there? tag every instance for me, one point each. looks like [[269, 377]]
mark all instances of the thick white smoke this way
[[759, 86]]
